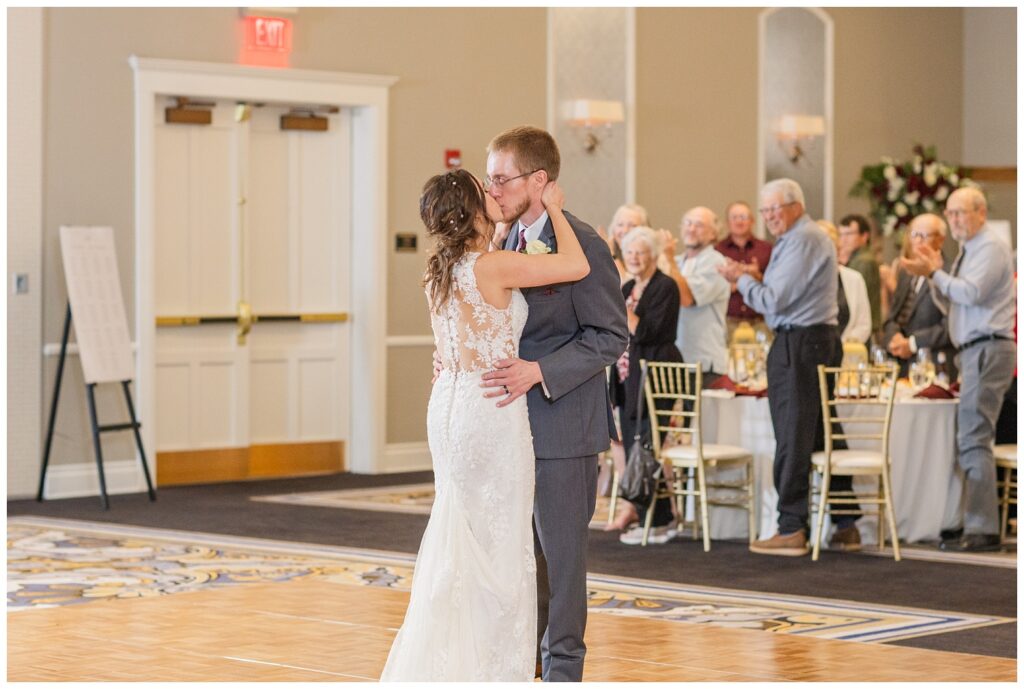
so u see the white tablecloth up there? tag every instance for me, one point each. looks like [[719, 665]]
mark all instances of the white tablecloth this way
[[927, 483]]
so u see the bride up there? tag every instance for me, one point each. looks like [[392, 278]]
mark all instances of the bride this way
[[472, 614]]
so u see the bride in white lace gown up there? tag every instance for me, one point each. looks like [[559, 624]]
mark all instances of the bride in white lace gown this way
[[472, 613]]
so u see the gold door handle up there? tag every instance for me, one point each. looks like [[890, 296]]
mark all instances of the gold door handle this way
[[327, 317], [245, 320]]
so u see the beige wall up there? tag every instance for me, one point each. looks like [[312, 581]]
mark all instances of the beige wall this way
[[697, 100], [990, 73], [891, 92], [990, 101]]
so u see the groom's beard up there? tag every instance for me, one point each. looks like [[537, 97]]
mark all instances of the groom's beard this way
[[516, 212]]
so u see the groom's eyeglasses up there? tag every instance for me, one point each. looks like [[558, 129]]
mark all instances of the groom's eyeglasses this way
[[499, 182]]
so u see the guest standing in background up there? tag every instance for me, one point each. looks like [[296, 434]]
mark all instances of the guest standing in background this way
[[626, 217], [703, 292], [652, 311], [741, 245], [851, 297], [978, 296], [914, 320], [855, 252], [797, 296]]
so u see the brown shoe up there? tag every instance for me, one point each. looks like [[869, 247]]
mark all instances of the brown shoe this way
[[791, 545], [847, 539]]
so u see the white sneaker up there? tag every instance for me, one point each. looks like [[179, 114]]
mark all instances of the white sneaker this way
[[658, 534]]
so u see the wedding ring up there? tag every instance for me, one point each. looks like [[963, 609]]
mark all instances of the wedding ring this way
[[505, 387]]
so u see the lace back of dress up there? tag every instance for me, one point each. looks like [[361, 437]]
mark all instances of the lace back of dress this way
[[470, 334]]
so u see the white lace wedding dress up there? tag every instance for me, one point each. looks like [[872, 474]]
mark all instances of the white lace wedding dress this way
[[472, 614]]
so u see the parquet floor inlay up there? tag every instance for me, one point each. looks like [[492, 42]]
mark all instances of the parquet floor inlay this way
[[60, 563]]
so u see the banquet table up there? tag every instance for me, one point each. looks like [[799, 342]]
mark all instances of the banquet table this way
[[927, 483]]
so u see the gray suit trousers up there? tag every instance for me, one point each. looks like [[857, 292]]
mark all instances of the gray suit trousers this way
[[565, 497], [986, 371]]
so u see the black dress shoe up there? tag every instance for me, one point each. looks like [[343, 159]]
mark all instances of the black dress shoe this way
[[973, 543], [951, 534]]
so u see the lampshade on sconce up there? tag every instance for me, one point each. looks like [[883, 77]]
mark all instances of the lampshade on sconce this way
[[791, 130], [589, 114]]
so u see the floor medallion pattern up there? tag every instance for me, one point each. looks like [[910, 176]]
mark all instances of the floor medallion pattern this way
[[53, 562]]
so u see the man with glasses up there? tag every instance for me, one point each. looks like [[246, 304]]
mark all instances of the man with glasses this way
[[741, 245], [797, 296], [981, 310], [914, 320], [703, 293], [573, 331]]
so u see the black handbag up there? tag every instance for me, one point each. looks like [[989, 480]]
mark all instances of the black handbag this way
[[640, 477]]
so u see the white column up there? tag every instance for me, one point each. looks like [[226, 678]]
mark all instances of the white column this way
[[25, 411]]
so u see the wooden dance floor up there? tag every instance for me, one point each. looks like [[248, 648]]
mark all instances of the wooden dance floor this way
[[316, 630], [102, 603]]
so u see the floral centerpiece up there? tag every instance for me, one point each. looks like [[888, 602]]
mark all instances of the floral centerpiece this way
[[899, 191]]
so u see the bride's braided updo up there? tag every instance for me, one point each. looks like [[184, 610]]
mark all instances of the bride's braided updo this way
[[449, 207]]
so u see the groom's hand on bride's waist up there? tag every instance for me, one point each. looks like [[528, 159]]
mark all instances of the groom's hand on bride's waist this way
[[510, 379]]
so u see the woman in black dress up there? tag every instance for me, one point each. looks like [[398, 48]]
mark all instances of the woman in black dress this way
[[652, 312]]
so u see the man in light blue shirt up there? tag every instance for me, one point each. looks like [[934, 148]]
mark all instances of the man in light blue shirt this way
[[979, 297], [797, 296], [703, 293]]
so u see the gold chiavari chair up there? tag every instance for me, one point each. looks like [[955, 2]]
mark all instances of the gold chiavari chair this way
[[873, 387], [1006, 459], [678, 388]]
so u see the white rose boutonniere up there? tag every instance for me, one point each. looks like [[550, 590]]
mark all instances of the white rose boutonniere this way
[[537, 247]]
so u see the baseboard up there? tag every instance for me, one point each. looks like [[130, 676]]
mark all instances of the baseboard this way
[[399, 457], [82, 479], [125, 476]]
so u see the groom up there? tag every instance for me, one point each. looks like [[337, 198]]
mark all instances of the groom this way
[[574, 330]]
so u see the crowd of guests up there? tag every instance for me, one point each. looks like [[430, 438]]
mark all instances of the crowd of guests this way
[[814, 288]]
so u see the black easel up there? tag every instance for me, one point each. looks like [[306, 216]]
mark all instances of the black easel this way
[[90, 390]]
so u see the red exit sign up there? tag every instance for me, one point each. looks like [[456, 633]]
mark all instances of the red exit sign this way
[[268, 34]]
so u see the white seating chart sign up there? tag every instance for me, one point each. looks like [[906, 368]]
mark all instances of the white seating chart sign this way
[[97, 309]]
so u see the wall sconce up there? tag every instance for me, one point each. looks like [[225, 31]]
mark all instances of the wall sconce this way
[[589, 114], [791, 130]]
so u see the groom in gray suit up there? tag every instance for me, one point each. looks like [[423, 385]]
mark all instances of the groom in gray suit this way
[[574, 330]]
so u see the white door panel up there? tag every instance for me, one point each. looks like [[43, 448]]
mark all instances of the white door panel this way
[[284, 251], [317, 396], [271, 401], [172, 220], [215, 403], [268, 223], [318, 222], [214, 253], [172, 403]]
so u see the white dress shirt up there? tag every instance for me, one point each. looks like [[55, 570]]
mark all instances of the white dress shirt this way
[[858, 329], [532, 231]]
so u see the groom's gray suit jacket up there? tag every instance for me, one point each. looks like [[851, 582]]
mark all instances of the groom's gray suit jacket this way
[[574, 330]]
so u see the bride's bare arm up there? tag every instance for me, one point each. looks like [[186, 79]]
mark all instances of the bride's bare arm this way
[[511, 269]]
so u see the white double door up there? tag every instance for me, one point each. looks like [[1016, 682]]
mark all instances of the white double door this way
[[248, 212]]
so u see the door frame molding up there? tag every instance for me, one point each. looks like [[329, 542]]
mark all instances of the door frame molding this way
[[367, 97]]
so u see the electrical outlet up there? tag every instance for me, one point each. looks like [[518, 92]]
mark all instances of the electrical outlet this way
[[19, 283]]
